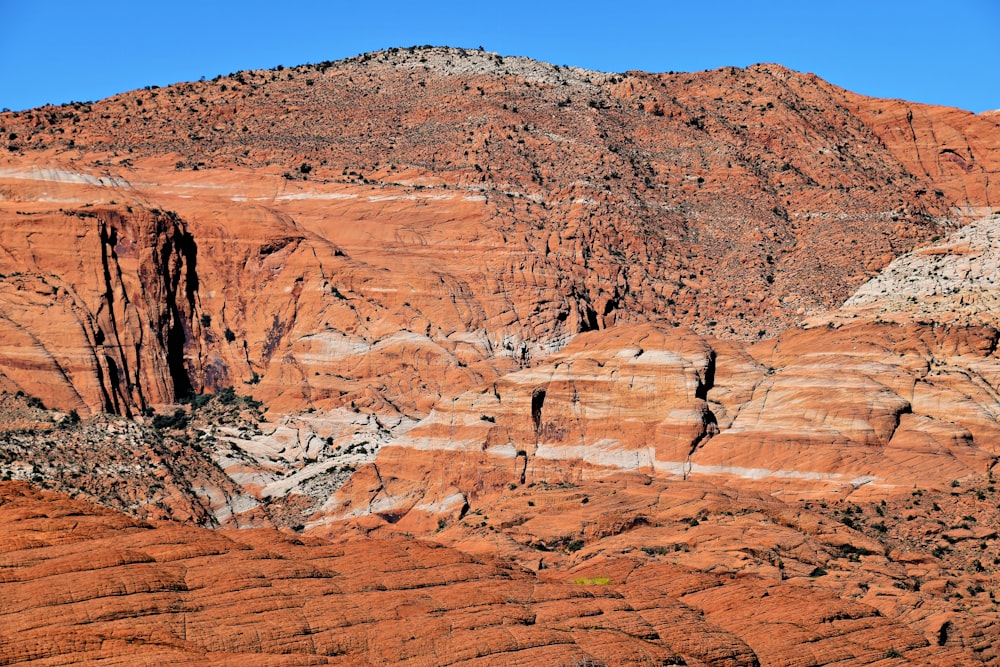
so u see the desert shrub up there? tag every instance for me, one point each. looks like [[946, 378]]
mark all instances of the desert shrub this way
[[177, 420], [227, 396]]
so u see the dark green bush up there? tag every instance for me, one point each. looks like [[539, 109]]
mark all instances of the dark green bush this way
[[178, 420]]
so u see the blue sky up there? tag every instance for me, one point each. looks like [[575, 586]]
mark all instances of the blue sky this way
[[935, 52]]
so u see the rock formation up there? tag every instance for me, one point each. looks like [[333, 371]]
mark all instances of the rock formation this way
[[498, 362], [860, 411], [83, 584], [285, 217]]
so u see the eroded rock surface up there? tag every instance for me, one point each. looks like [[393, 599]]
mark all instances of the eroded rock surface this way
[[140, 593], [953, 279], [869, 409]]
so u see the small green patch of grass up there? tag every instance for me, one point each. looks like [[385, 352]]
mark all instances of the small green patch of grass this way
[[592, 581]]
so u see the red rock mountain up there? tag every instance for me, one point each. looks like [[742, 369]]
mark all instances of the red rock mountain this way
[[499, 362], [458, 208]]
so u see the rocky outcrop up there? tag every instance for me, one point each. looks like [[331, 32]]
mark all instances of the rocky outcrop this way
[[954, 150], [863, 409], [951, 280], [83, 584]]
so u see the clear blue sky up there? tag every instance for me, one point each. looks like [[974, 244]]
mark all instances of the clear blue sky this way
[[937, 52]]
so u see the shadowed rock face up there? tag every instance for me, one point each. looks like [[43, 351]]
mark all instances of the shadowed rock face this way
[[100, 308], [574, 341]]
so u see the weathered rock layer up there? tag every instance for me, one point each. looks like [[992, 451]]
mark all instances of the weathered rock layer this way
[[88, 585], [869, 410]]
